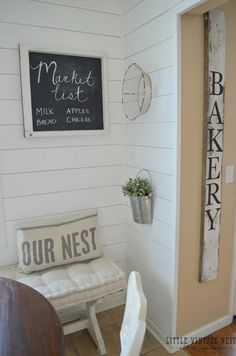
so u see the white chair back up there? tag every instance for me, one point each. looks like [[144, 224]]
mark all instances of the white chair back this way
[[134, 323]]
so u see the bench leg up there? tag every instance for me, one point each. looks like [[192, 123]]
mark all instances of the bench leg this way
[[94, 329]]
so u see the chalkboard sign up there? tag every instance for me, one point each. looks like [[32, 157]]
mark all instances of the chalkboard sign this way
[[63, 92]]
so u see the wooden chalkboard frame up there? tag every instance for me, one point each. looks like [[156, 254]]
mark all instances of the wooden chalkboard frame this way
[[25, 49]]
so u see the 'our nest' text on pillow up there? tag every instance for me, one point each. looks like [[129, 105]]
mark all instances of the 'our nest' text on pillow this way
[[51, 243]]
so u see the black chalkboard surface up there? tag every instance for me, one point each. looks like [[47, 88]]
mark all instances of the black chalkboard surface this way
[[66, 92]]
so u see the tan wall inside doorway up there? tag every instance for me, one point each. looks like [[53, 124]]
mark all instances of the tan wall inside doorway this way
[[200, 304]]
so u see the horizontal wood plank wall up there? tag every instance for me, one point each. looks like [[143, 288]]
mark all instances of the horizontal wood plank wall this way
[[150, 142], [55, 176], [2, 220]]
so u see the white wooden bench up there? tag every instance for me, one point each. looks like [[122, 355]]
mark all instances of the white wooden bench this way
[[71, 285], [62, 259]]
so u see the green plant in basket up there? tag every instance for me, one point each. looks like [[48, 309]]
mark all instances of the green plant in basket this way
[[137, 187]]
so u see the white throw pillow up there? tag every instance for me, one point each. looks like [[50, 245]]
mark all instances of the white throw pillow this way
[[50, 243]]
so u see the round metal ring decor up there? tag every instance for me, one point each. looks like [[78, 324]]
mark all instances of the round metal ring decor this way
[[136, 92]]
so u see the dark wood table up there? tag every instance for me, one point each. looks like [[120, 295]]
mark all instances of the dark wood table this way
[[29, 325]]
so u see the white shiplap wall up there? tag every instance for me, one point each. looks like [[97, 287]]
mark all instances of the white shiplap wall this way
[[150, 142], [55, 176]]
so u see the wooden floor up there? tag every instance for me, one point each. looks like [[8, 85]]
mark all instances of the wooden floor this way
[[221, 343], [81, 344]]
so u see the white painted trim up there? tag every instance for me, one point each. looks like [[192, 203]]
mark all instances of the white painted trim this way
[[189, 338], [158, 334], [179, 10], [177, 168], [204, 331], [187, 5], [232, 305]]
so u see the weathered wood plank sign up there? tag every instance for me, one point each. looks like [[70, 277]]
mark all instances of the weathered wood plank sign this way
[[213, 144]]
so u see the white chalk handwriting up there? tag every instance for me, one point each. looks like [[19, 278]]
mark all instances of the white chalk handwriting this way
[[57, 80]]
